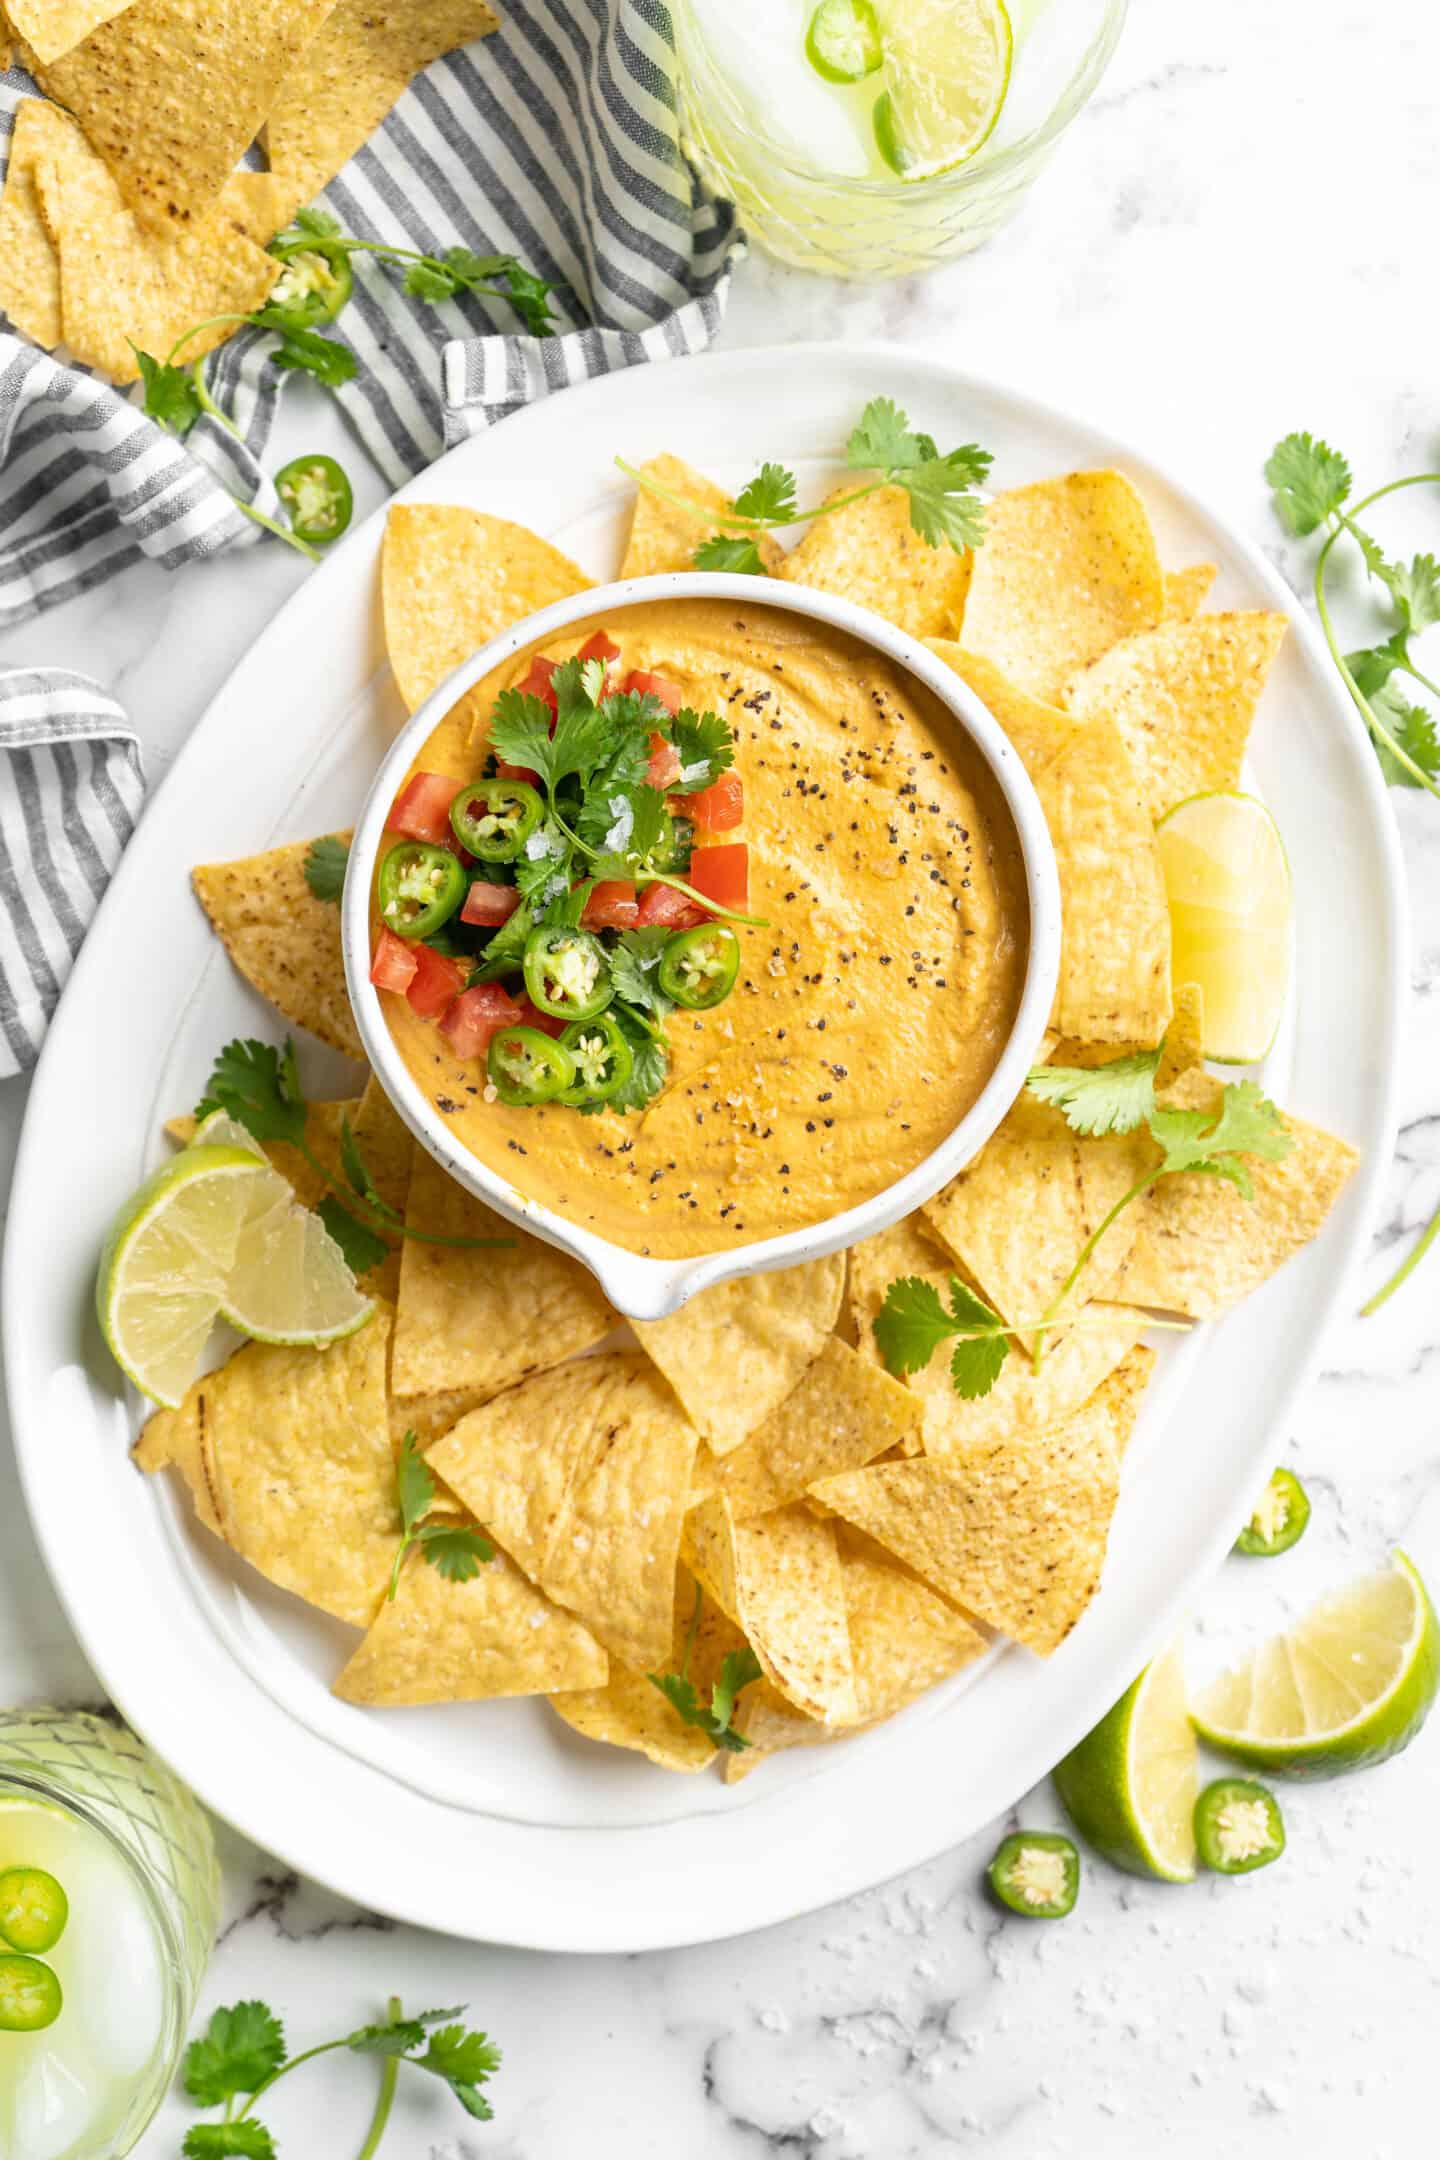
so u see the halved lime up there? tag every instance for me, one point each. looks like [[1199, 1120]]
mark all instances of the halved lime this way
[[1130, 1785], [1228, 885], [843, 41], [947, 70], [1350, 1684]]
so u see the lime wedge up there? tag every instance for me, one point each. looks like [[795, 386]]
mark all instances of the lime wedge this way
[[1130, 1785], [947, 69], [1350, 1684], [843, 41], [1228, 885]]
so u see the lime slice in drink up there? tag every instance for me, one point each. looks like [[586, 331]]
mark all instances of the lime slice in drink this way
[[947, 69], [1229, 890], [1130, 1785], [1350, 1684], [843, 41]]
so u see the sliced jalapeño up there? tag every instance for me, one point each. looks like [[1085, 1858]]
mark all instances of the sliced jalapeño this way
[[420, 888], [527, 1068], [30, 1996], [492, 819], [1279, 1519], [603, 1059], [1238, 1826], [313, 286], [698, 967], [33, 1909], [1037, 1873], [567, 973], [316, 493]]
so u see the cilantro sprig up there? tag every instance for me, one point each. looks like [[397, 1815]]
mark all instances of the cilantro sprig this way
[[433, 277], [738, 1668], [242, 2055], [326, 861], [455, 1552], [945, 509], [913, 1321]]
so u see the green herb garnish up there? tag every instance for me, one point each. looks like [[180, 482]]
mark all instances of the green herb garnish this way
[[737, 1669], [913, 1322], [433, 277], [451, 1549], [325, 865]]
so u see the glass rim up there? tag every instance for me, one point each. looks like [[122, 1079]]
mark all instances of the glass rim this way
[[973, 170]]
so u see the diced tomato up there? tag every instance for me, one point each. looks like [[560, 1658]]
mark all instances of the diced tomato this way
[[537, 682], [723, 875], [656, 686], [422, 808], [600, 647], [476, 1016], [664, 767], [515, 772], [393, 967], [436, 981], [667, 909], [717, 808], [612, 905], [529, 1014], [488, 904]]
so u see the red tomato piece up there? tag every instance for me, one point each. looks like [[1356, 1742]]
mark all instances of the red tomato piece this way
[[529, 1014], [515, 772], [664, 768], [612, 905], [393, 967], [476, 1017], [667, 909], [717, 808], [537, 682], [422, 808], [436, 981], [600, 647], [723, 875], [657, 686], [488, 904]]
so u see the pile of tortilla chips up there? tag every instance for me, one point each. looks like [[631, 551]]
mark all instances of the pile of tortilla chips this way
[[746, 1472], [125, 219]]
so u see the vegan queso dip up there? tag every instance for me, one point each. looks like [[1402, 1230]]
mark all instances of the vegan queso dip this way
[[799, 1067]]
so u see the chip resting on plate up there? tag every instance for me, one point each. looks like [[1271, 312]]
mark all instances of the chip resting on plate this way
[[29, 265], [779, 1580], [843, 1413], [908, 1247], [664, 538], [1026, 1400], [283, 940], [1186, 590], [870, 553], [630, 1711], [1038, 731]]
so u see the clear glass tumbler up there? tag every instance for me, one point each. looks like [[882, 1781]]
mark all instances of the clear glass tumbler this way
[[86, 1800], [734, 124]]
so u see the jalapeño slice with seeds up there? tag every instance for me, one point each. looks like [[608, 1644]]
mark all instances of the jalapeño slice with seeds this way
[[603, 1060], [317, 494], [527, 1068], [420, 888], [493, 819], [1279, 1520], [567, 973], [698, 967], [1037, 1873], [33, 1909], [314, 284], [1238, 1826], [843, 42], [30, 1995]]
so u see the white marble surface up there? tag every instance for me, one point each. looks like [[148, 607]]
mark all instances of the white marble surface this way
[[1237, 239]]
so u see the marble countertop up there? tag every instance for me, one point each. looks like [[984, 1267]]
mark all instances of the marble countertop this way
[[1237, 239]]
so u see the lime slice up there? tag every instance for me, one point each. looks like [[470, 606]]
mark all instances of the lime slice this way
[[843, 41], [1130, 1786], [1228, 885], [947, 69], [1350, 1684]]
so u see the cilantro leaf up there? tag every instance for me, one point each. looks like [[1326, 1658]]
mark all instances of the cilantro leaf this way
[[913, 1322], [506, 950], [735, 552], [259, 1086], [882, 438], [241, 2047], [1372, 667], [1413, 730], [400, 2037], [311, 354], [770, 496], [1311, 482], [352, 1162], [943, 506], [246, 2139], [1112, 1098], [1415, 589], [520, 730], [1246, 1122], [307, 224], [737, 1669], [414, 1484], [358, 1243], [623, 830], [171, 399], [705, 744], [975, 1365], [652, 1062], [635, 969], [456, 1554], [325, 865]]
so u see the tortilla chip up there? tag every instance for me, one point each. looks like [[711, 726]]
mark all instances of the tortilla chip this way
[[870, 553], [844, 1412], [495, 1635], [430, 1417], [284, 941], [171, 93], [352, 73], [257, 204], [51, 27], [29, 264], [733, 1353], [1184, 698], [1182, 1048], [451, 580], [779, 1580], [1038, 731], [1115, 941], [1201, 1246], [287, 1453], [481, 1318], [1185, 590], [664, 538], [907, 1248], [629, 1710], [1024, 1402], [1068, 567], [1120, 1395]]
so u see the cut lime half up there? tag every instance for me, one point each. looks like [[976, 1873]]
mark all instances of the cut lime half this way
[[1130, 1785], [1228, 885], [946, 72], [1350, 1684]]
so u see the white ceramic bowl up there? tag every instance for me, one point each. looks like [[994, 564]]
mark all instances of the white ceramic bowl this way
[[647, 1289]]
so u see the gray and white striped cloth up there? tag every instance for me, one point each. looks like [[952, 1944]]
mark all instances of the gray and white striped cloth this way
[[556, 139]]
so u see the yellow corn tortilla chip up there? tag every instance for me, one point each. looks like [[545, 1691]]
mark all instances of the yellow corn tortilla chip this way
[[1077, 1361], [443, 1641], [51, 27], [779, 1580], [284, 941], [481, 1318], [1038, 731], [583, 1475], [909, 1247], [1201, 1246], [451, 580], [1115, 936], [664, 538], [287, 1453], [1068, 567], [1185, 590], [29, 264], [1182, 1049], [430, 1417], [171, 93], [352, 73], [844, 1412], [7, 49], [629, 1710], [257, 204], [733, 1353], [1120, 1395], [1184, 698], [870, 553], [385, 1144]]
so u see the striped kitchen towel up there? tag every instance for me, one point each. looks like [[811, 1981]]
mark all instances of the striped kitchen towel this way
[[556, 139], [71, 787]]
